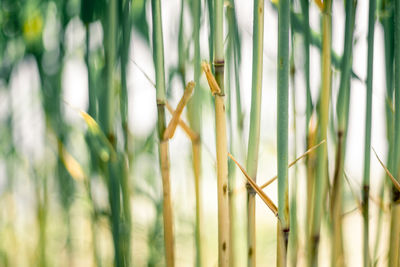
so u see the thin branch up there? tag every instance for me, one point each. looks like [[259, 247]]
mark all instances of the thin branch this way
[[263, 196]]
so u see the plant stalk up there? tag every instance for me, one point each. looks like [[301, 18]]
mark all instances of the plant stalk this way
[[221, 139], [368, 124], [158, 56], [283, 130], [323, 117], [254, 135], [395, 226]]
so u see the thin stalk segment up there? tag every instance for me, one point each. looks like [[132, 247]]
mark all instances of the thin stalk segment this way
[[323, 117], [368, 124], [282, 129], [254, 135], [221, 139], [158, 56]]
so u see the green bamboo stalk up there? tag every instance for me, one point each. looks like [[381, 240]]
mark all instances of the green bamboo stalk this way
[[309, 106], [126, 157], [110, 65], [254, 135], [387, 21], [282, 130], [395, 227], [236, 59], [194, 115], [221, 139], [306, 35], [158, 57], [92, 112], [211, 34], [368, 123], [316, 41], [293, 235], [342, 115], [323, 115], [111, 169]]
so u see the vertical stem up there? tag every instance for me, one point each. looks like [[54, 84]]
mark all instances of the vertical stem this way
[[221, 142], [395, 227], [293, 235], [282, 129], [92, 112], [112, 168], [368, 120], [255, 115], [194, 112], [321, 175], [387, 22], [342, 114], [126, 158], [306, 33], [309, 109], [110, 58], [158, 56], [211, 35]]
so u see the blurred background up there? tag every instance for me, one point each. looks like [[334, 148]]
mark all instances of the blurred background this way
[[56, 202]]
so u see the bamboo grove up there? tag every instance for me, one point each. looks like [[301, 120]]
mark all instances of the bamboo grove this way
[[143, 133]]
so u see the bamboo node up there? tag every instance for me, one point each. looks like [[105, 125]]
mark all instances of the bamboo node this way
[[212, 83], [250, 251], [160, 102], [250, 189]]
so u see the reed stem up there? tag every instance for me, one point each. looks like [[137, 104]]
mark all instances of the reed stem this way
[[254, 135], [194, 115], [323, 117], [395, 227], [368, 124], [221, 139], [282, 129], [343, 102], [158, 56]]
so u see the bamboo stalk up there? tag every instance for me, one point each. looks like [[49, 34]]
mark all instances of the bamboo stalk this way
[[320, 179], [194, 115], [282, 129], [221, 139], [306, 33], [194, 112], [230, 61], [309, 105], [126, 158], [254, 135], [395, 227], [342, 114], [293, 235], [111, 168], [368, 120], [158, 56], [387, 21]]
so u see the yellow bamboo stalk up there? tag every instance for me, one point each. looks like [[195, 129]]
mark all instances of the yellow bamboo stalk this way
[[222, 181], [167, 204]]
